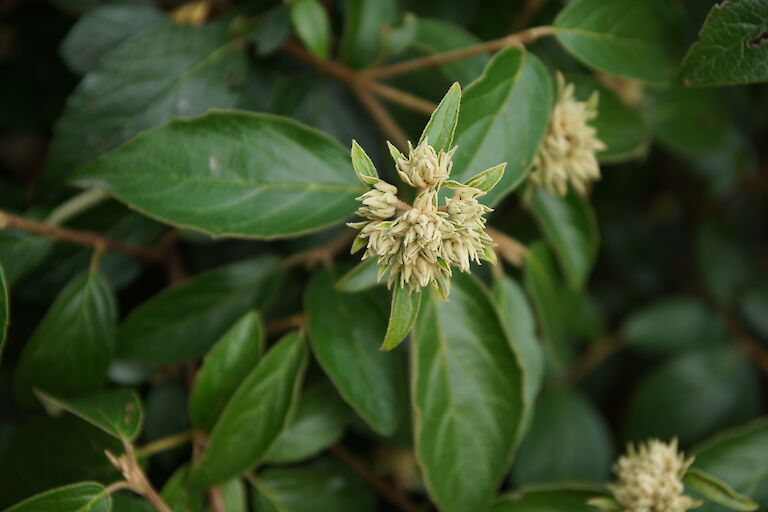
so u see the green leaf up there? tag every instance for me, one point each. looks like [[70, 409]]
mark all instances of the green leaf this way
[[570, 226], [225, 366], [549, 499], [82, 497], [345, 329], [732, 46], [179, 495], [724, 262], [312, 25], [165, 72], [256, 414], [693, 395], [127, 503], [753, 306], [364, 21], [272, 29], [4, 310], [621, 37], [233, 496], [21, 252], [442, 123], [315, 488], [118, 412], [364, 168], [183, 321], [71, 348], [363, 276], [504, 115], [672, 325], [487, 179], [437, 36], [402, 316], [737, 457], [397, 39], [568, 440], [460, 352], [104, 28], [716, 490], [619, 126], [240, 174], [318, 423]]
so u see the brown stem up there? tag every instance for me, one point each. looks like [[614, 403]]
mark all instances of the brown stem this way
[[329, 67], [388, 126], [527, 13], [749, 345], [437, 59], [285, 324], [593, 357], [86, 238], [163, 444], [400, 97], [216, 500], [324, 254], [507, 247], [137, 480], [382, 487]]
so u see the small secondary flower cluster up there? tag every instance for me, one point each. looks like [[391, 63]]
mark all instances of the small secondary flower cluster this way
[[420, 244]]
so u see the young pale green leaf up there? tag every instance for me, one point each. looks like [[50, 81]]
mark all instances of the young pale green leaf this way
[[402, 316], [568, 441], [397, 39], [256, 414], [4, 310], [117, 412], [732, 46], [81, 497], [70, 350], [622, 37], [487, 179], [232, 173], [464, 445], [550, 499], [504, 115], [344, 329], [225, 366], [165, 72], [716, 490], [183, 321], [438, 36], [570, 226], [312, 25], [318, 423], [362, 277], [442, 124], [364, 168], [364, 22]]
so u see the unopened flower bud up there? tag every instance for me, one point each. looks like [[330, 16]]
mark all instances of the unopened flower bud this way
[[424, 168], [379, 202]]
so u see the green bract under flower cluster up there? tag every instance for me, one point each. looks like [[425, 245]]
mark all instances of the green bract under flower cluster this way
[[420, 244]]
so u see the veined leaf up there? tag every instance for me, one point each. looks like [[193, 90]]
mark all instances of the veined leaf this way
[[402, 316], [442, 123], [82, 497], [716, 490]]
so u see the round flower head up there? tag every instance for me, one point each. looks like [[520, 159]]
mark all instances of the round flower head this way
[[469, 242], [650, 478], [567, 152], [424, 168]]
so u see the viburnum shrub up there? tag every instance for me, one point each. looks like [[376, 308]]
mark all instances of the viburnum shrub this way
[[359, 255]]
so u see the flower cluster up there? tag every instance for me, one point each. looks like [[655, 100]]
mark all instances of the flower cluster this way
[[650, 478], [567, 153], [420, 244]]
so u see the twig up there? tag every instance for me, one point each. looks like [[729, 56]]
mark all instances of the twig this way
[[593, 357], [507, 247], [324, 254], [527, 13], [749, 345], [400, 97], [137, 480], [285, 324], [388, 126], [164, 444], [86, 238], [382, 487], [329, 67], [437, 59], [75, 206]]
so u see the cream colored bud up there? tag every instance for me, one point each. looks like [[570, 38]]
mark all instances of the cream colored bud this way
[[379, 202], [424, 168]]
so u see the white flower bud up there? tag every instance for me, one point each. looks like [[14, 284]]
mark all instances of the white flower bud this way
[[424, 168], [379, 202]]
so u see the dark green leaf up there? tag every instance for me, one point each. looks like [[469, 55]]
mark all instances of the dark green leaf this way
[[162, 73], [233, 496], [128, 503], [312, 25], [225, 366], [318, 423], [621, 37], [4, 310], [716, 490], [402, 316], [272, 29], [571, 228], [364, 21], [256, 414], [504, 115], [753, 306], [71, 348], [345, 330], [442, 123], [551, 499], [460, 352], [117, 412], [102, 29], [724, 263], [437, 36], [363, 276], [568, 440], [183, 321], [397, 39], [20, 252], [232, 173], [83, 497], [178, 494], [732, 46]]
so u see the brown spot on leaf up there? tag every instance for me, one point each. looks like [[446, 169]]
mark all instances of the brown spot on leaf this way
[[759, 40]]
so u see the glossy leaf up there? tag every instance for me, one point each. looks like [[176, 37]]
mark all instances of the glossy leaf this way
[[165, 72], [233, 496], [21, 252], [487, 179], [621, 37], [256, 414], [82, 497], [549, 499], [504, 115], [318, 423], [4, 310], [361, 277], [438, 36], [441, 126], [460, 352], [364, 168], [312, 25], [232, 173], [70, 350], [570, 226], [402, 316], [183, 321], [345, 330], [117, 412], [716, 490], [225, 366], [364, 22], [732, 46]]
